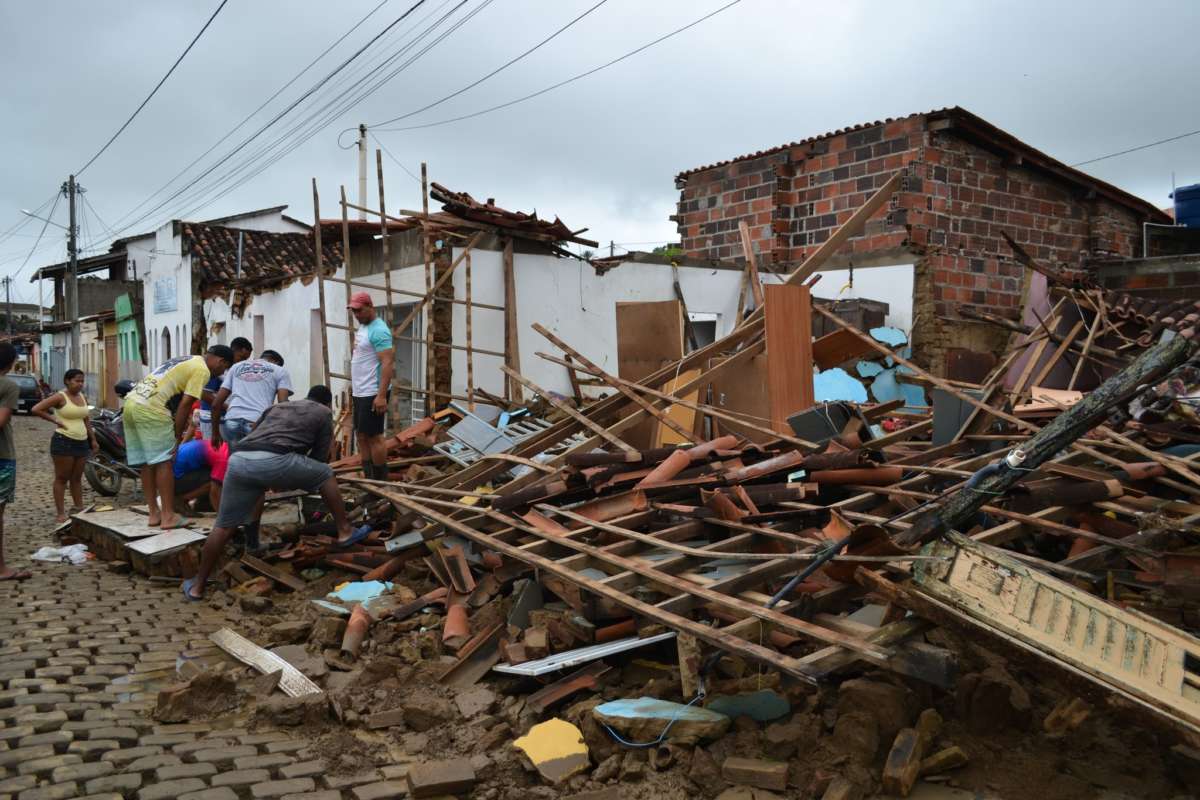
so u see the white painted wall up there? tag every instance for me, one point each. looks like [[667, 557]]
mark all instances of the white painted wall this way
[[164, 261], [888, 284]]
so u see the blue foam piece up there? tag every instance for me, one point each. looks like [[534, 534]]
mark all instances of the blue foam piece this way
[[885, 388], [913, 395], [893, 336], [868, 369], [652, 708], [837, 384]]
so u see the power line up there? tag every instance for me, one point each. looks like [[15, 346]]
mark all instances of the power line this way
[[399, 163], [153, 91], [45, 224], [572, 79], [491, 74], [255, 112], [1136, 149], [339, 105], [279, 116]]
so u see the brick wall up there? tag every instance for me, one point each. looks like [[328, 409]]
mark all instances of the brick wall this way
[[954, 202]]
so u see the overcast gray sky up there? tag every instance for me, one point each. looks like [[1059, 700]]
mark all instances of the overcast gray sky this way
[[1075, 79]]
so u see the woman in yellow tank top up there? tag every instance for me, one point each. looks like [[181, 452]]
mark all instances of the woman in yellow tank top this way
[[73, 440]]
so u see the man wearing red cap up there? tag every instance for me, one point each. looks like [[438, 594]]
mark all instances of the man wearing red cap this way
[[371, 367]]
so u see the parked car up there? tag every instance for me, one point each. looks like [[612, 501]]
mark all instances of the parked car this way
[[31, 392]]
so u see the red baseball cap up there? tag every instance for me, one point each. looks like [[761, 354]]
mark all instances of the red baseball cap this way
[[360, 300]]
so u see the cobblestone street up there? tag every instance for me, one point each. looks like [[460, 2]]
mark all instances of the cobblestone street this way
[[83, 651]]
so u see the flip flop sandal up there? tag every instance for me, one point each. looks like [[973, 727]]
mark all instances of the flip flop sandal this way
[[184, 522], [360, 533], [186, 587]]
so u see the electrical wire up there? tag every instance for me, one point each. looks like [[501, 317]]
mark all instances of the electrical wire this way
[[339, 106], [572, 79], [153, 91], [399, 163], [24, 219], [45, 224], [1136, 149], [256, 111], [491, 74], [236, 176], [277, 117]]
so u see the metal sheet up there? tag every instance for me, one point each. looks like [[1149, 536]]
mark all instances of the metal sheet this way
[[582, 655]]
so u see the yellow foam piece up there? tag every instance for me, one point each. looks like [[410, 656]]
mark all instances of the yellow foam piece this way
[[556, 749]]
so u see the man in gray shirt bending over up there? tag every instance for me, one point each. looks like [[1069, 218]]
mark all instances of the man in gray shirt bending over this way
[[286, 450]]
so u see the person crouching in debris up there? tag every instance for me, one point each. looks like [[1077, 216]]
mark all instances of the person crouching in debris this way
[[288, 449], [152, 436], [199, 470]]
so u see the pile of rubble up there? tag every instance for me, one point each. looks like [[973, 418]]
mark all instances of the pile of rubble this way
[[880, 597]]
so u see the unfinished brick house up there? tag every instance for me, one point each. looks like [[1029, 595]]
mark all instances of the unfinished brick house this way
[[965, 182]]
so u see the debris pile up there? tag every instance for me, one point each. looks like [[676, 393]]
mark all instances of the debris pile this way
[[856, 598]]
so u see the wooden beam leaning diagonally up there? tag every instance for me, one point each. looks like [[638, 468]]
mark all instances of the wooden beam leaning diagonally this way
[[756, 287], [420, 304], [660, 415]]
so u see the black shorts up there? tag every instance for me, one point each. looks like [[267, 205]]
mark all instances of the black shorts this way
[[189, 482], [366, 421], [66, 446]]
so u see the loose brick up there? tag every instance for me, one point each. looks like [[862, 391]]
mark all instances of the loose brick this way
[[242, 777], [185, 771], [435, 778], [125, 784], [384, 790], [903, 765], [771, 775], [82, 772], [171, 790], [273, 789]]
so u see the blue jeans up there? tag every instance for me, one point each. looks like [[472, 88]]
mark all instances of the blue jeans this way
[[234, 430]]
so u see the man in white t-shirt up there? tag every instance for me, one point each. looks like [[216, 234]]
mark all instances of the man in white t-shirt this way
[[248, 389], [371, 367]]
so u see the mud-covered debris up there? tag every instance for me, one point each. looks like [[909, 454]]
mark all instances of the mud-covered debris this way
[[206, 695]]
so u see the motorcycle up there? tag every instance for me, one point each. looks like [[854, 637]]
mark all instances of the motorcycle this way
[[106, 470]]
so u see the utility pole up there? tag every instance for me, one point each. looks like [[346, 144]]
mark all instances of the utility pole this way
[[73, 274], [8, 302], [362, 171]]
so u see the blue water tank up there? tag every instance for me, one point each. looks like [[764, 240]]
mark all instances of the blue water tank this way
[[1187, 205]]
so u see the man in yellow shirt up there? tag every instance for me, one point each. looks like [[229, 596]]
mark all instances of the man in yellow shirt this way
[[151, 432]]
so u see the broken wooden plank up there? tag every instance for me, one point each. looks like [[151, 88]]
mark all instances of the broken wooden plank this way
[[789, 353], [293, 582], [293, 682]]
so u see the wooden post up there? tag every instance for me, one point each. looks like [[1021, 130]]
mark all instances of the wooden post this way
[[386, 258], [433, 290], [346, 279], [511, 339], [470, 355], [426, 247], [318, 265], [1061, 432], [789, 352]]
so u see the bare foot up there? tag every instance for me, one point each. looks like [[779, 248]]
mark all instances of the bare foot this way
[[153, 522], [171, 522], [11, 574], [61, 518]]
